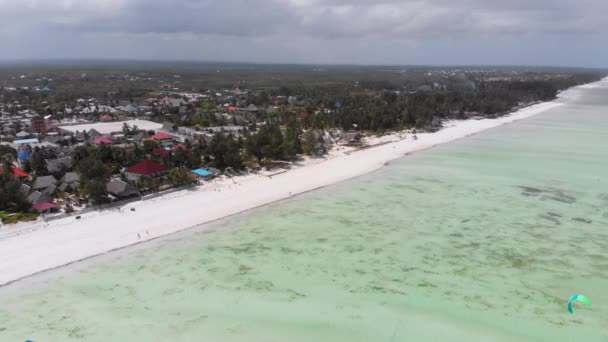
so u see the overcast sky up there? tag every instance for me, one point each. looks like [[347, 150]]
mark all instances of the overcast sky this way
[[522, 32]]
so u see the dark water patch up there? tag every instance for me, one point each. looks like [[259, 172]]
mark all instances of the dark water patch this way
[[554, 214], [562, 199], [546, 194], [427, 284], [550, 219], [582, 220], [428, 180], [418, 190], [530, 190]]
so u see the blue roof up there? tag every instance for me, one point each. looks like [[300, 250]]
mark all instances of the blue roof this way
[[23, 154], [202, 172], [25, 141]]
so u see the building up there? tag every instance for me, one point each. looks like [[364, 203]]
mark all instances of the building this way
[[17, 172], [58, 165], [46, 207], [145, 169], [107, 128], [120, 189], [39, 124]]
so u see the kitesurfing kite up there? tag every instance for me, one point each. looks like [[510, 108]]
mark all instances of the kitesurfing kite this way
[[577, 297]]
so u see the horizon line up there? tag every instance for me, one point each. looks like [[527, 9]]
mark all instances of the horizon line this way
[[80, 61]]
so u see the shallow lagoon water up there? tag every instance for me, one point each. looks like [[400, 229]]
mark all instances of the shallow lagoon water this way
[[484, 239]]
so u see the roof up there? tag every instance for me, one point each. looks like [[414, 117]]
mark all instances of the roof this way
[[103, 140], [113, 127], [160, 152], [161, 136], [17, 172], [54, 165], [37, 197], [120, 188], [71, 177], [180, 147], [202, 172], [44, 182], [147, 167], [25, 141], [44, 206], [233, 108]]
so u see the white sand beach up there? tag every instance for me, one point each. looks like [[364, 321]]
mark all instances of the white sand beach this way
[[26, 249]]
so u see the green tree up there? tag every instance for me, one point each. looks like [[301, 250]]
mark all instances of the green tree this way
[[310, 142], [180, 176]]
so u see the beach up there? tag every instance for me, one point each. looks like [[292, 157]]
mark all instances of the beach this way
[[27, 249]]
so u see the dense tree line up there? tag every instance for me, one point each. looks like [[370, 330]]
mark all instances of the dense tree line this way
[[382, 109], [11, 197]]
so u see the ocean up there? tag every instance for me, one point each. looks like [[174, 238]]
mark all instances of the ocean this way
[[483, 239]]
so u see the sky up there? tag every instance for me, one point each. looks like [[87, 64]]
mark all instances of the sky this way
[[393, 32]]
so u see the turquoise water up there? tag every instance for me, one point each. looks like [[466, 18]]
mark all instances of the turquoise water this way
[[484, 239]]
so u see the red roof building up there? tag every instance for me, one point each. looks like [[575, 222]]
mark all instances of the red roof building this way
[[45, 206], [182, 147], [161, 136], [233, 108], [303, 115], [147, 168], [103, 140], [106, 117], [161, 152], [18, 173]]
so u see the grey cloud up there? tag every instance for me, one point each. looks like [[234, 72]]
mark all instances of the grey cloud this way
[[306, 30]]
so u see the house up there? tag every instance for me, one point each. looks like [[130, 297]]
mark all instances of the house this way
[[145, 169], [121, 189], [39, 124], [17, 172], [69, 182], [180, 147], [44, 182], [94, 134], [57, 165], [37, 197], [103, 141], [160, 152], [352, 138], [105, 118], [164, 138], [161, 136], [46, 207], [18, 143], [22, 135]]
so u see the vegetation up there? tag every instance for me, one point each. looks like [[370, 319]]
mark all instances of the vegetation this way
[[18, 217], [293, 109], [11, 196]]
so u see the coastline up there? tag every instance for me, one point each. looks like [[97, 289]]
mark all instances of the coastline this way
[[30, 248]]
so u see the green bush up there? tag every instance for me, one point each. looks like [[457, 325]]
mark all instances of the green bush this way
[[19, 217]]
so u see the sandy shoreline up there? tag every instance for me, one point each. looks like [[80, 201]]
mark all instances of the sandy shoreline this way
[[27, 249]]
